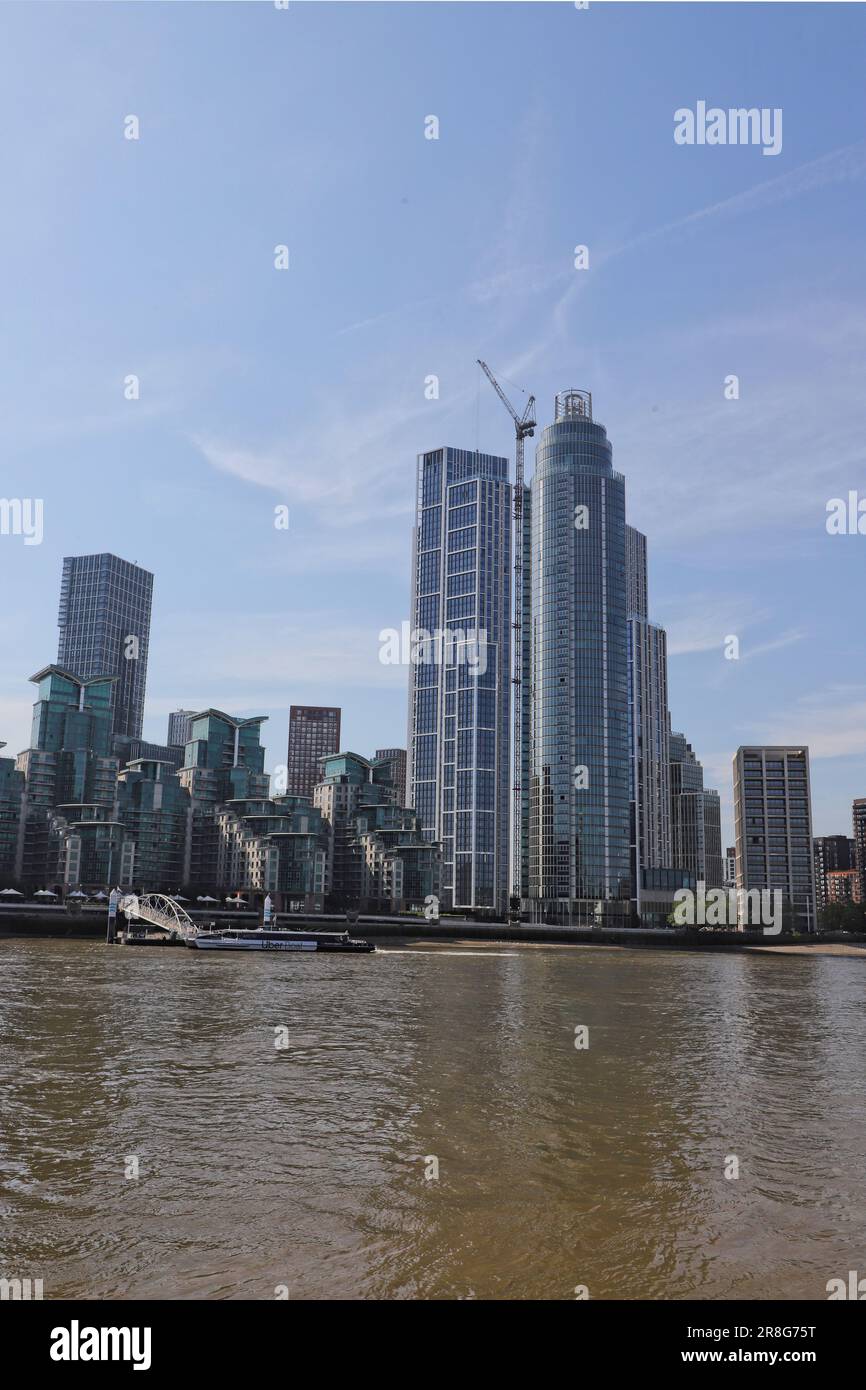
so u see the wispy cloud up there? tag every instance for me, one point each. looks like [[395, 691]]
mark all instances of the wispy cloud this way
[[831, 722], [703, 621], [786, 639], [344, 468], [285, 653], [845, 165], [386, 316], [759, 463]]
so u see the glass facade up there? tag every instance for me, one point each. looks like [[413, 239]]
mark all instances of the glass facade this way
[[696, 831], [314, 733], [223, 761], [11, 808], [278, 845], [394, 760], [773, 815], [649, 725], [459, 705], [579, 775], [93, 850], [105, 602], [831, 854], [224, 744], [650, 788], [179, 728], [859, 820], [380, 860], [520, 840], [69, 760], [636, 573], [155, 809], [70, 712]]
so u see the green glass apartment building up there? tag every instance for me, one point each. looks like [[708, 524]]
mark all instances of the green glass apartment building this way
[[223, 761], [11, 821], [69, 761]]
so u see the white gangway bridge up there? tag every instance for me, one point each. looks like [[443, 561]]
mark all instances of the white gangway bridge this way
[[159, 911]]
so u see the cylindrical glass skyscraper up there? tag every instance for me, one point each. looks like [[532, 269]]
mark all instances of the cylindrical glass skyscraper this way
[[579, 748]]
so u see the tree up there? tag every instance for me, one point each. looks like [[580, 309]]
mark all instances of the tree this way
[[830, 918]]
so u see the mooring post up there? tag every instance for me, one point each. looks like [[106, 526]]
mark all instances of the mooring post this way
[[110, 932]]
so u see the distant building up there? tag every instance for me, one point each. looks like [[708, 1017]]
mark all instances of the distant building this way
[[395, 758], [224, 757], [90, 848], [157, 812], [859, 814], [696, 822], [278, 845], [223, 761], [240, 838], [74, 814], [314, 732], [104, 621], [460, 691], [179, 726], [830, 853], [649, 722], [658, 894], [579, 838], [730, 867], [132, 750], [69, 760], [841, 885], [87, 823], [11, 822], [636, 573], [649, 746], [773, 816], [141, 842], [380, 859], [70, 774], [713, 838]]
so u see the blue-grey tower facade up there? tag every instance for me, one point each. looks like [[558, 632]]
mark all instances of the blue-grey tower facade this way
[[459, 675], [104, 622], [579, 820], [649, 723]]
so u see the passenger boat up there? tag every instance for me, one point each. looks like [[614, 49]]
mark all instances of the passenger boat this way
[[234, 941], [255, 939]]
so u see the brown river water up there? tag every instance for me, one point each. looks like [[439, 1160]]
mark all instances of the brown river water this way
[[306, 1170]]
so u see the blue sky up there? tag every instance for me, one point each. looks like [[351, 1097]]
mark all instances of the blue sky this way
[[411, 257]]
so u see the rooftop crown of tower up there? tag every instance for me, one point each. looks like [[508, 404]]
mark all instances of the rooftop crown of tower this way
[[573, 403]]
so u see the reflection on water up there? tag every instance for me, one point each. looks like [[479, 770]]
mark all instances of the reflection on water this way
[[304, 1166]]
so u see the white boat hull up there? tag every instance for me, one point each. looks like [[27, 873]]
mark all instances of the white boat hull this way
[[226, 943]]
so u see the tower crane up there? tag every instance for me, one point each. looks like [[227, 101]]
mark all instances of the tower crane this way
[[524, 428]]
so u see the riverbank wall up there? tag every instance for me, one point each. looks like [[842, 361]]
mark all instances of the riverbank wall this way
[[27, 921]]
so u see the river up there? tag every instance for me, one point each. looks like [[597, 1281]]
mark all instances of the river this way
[[308, 1170]]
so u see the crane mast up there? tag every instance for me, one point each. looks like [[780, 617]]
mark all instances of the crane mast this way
[[524, 427]]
